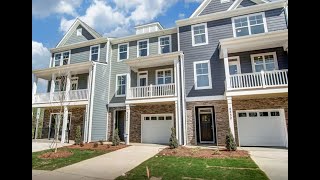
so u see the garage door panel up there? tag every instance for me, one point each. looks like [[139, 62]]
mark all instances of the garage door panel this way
[[156, 131]]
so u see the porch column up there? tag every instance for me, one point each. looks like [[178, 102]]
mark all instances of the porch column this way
[[85, 134], [226, 67], [64, 125], [37, 122], [34, 87], [127, 131], [177, 120], [230, 114], [52, 87], [68, 86], [178, 94], [128, 85]]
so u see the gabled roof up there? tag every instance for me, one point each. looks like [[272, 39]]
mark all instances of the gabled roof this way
[[73, 27], [237, 2]]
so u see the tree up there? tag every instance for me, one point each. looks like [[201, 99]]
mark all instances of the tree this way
[[77, 138], [173, 142], [116, 138], [230, 142]]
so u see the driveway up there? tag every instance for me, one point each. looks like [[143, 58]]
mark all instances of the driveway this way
[[107, 166], [273, 161], [43, 144]]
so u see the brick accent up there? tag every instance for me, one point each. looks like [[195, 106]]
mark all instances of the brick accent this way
[[111, 122]]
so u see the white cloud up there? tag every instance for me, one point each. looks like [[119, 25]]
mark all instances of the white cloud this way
[[40, 59], [44, 8], [181, 15], [193, 1]]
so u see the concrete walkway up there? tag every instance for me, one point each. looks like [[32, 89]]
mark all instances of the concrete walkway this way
[[107, 166], [40, 144], [273, 161]]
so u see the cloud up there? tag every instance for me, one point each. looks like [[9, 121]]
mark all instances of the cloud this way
[[44, 8], [181, 15], [193, 1]]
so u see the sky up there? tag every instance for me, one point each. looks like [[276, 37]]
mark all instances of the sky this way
[[112, 18]]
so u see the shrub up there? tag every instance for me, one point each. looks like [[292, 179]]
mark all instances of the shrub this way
[[116, 138], [230, 142], [81, 144], [77, 139], [95, 145], [173, 142], [101, 142]]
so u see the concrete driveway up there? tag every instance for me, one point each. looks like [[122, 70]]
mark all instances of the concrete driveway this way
[[273, 161]]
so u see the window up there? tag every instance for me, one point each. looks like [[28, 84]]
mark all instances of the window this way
[[275, 113], [242, 114], [123, 51], [143, 49], [199, 34], [146, 118], [265, 62], [168, 117], [74, 83], [94, 53], [66, 58], [157, 117], [234, 65], [153, 117], [202, 75], [79, 32], [164, 44], [57, 59], [263, 113], [164, 76], [61, 59], [161, 118], [251, 24], [121, 85], [253, 114]]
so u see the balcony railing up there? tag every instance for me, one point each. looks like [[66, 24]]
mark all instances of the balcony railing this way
[[152, 91], [74, 95], [259, 80]]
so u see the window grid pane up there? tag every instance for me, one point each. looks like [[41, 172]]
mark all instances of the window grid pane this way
[[94, 53], [199, 34], [254, 22], [121, 89], [164, 45], [202, 73]]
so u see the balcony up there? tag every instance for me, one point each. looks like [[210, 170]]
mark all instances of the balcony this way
[[276, 78], [56, 97], [152, 91]]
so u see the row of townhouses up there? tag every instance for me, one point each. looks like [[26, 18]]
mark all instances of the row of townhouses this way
[[225, 67]]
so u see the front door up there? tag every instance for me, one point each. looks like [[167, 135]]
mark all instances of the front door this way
[[143, 78], [234, 65], [206, 127]]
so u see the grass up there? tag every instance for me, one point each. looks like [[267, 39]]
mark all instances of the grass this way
[[51, 164], [170, 167]]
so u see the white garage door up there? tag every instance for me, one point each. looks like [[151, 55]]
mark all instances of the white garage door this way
[[262, 128], [156, 128]]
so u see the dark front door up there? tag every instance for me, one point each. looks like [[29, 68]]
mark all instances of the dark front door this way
[[120, 120], [206, 125]]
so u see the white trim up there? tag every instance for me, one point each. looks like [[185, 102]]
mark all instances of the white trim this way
[[69, 103], [50, 62], [213, 136], [139, 49], [138, 78], [118, 59], [157, 100], [117, 105], [91, 100], [171, 71], [185, 138], [237, 63], [202, 6], [238, 2], [195, 75], [264, 65], [206, 34], [98, 52], [170, 45], [205, 98], [107, 53], [117, 75], [249, 25], [256, 92]]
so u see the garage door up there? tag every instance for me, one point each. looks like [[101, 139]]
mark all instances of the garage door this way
[[156, 128], [262, 128]]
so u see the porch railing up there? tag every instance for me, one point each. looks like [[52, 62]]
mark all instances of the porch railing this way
[[152, 91], [261, 79], [72, 95]]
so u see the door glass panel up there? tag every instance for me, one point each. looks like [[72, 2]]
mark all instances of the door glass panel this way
[[233, 69]]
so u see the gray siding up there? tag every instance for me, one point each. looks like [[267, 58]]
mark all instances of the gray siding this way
[[216, 6], [99, 109], [174, 41], [103, 53], [153, 46], [276, 19], [152, 74], [246, 3], [77, 39], [245, 59], [132, 50]]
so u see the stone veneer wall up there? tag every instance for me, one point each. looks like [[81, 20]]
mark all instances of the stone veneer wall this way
[[77, 115], [221, 120], [111, 115]]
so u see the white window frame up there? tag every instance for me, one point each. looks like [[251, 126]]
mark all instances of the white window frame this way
[[170, 45], [116, 91], [139, 49], [79, 32], [249, 26], [138, 79], [98, 52], [119, 51], [264, 65], [61, 58], [171, 70], [235, 62], [206, 34], [195, 75]]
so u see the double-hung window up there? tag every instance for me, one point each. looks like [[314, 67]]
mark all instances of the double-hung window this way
[[61, 58], [164, 44], [94, 53], [57, 59], [143, 48], [265, 62], [164, 76], [65, 58], [250, 24], [121, 85], [202, 75], [199, 34], [123, 51]]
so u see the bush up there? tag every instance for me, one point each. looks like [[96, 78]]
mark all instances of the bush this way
[[116, 138], [230, 142], [77, 139], [173, 142], [101, 142], [81, 144], [95, 145]]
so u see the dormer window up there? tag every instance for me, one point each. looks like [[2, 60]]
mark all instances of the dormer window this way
[[79, 32]]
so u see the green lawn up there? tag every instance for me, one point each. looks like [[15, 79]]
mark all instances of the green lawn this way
[[170, 167], [51, 164]]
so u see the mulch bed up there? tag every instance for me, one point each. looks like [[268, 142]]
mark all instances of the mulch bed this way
[[202, 153], [53, 155], [104, 147]]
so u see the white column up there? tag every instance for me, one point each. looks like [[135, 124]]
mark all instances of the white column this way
[[128, 85], [177, 120], [127, 131], [85, 134], [37, 122], [226, 67], [175, 77], [34, 87], [52, 87], [64, 125], [178, 88], [230, 114], [68, 86], [182, 77]]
